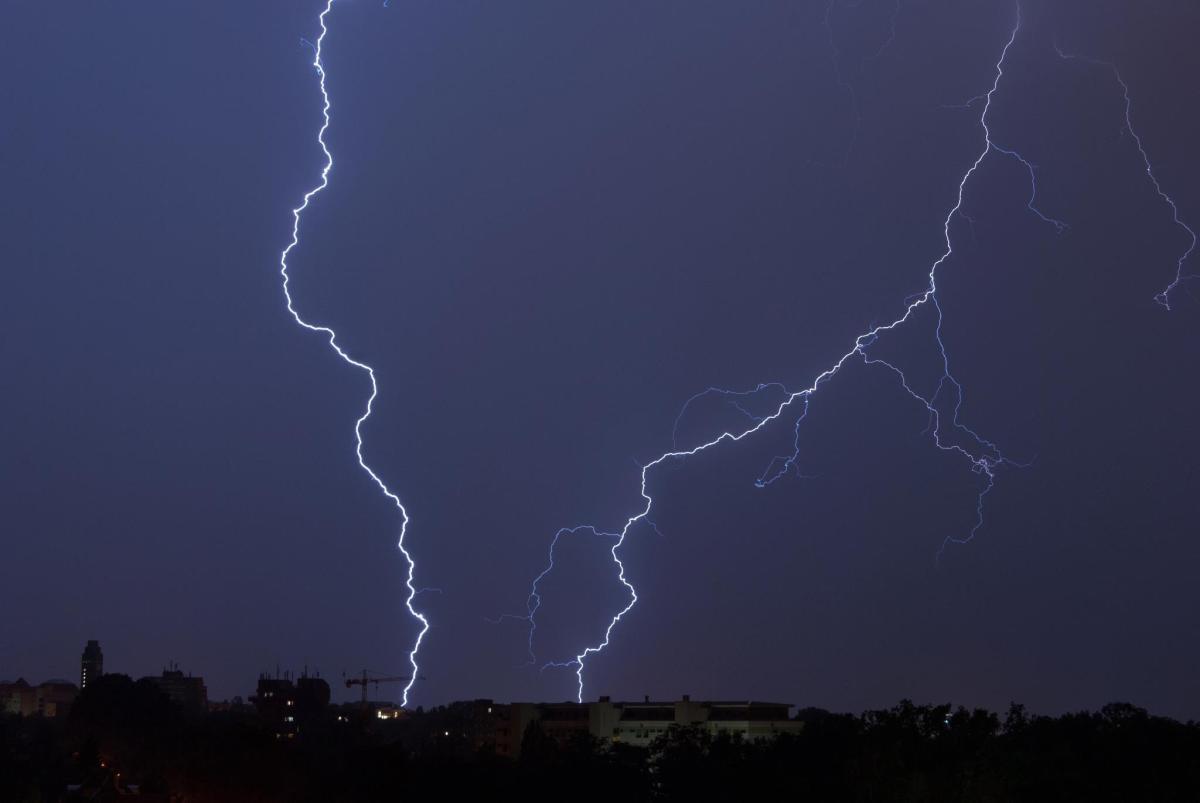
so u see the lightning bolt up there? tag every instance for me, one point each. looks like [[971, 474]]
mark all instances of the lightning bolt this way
[[534, 601], [835, 58], [732, 396], [1163, 297], [333, 344], [835, 54], [891, 34], [847, 84], [944, 405]]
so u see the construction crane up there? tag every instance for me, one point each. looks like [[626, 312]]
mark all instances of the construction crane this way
[[366, 678]]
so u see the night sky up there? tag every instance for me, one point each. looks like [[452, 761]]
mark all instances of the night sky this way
[[548, 225]]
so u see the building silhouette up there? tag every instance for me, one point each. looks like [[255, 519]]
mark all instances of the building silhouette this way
[[287, 704], [18, 698], [50, 699], [91, 664], [54, 697], [186, 690], [635, 723]]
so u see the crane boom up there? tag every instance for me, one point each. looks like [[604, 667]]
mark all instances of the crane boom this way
[[366, 679]]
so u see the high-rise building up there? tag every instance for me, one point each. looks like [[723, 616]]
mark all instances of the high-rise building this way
[[287, 704], [92, 663]]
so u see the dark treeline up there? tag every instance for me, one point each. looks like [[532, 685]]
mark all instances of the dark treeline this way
[[906, 753]]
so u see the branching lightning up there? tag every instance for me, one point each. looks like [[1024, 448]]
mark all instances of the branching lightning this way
[[846, 83], [1163, 297], [332, 339], [732, 396], [944, 405], [947, 432], [835, 54], [534, 601]]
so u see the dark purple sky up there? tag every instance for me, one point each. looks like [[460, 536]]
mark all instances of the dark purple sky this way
[[548, 225]]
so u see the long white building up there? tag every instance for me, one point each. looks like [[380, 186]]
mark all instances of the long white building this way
[[638, 724]]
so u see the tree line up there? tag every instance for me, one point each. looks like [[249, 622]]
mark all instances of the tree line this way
[[123, 735]]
